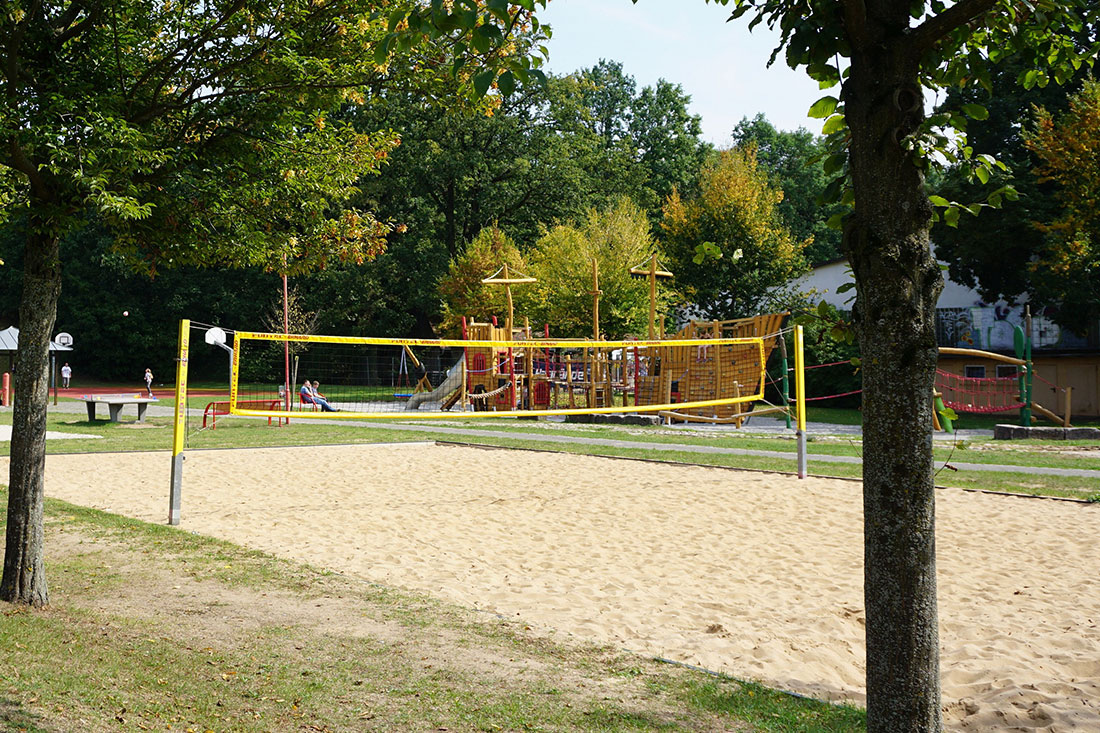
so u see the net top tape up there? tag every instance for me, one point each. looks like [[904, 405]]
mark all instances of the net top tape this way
[[524, 343]]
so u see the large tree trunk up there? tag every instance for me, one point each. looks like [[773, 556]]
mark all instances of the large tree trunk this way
[[24, 578], [897, 285]]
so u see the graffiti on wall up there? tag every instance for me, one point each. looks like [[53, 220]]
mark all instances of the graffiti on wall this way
[[991, 328]]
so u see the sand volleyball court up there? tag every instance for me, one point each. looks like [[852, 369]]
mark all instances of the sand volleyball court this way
[[753, 574]]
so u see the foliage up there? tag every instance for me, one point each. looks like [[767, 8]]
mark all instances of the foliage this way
[[993, 252], [198, 133], [460, 169], [639, 144], [1067, 269], [99, 286], [616, 238], [829, 340], [792, 161], [462, 291], [735, 211]]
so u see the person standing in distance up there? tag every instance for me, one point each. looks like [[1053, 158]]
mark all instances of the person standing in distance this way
[[149, 382], [66, 375]]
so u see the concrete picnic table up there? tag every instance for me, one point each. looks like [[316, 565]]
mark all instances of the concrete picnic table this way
[[115, 402]]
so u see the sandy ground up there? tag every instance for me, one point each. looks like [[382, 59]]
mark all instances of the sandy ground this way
[[753, 574]]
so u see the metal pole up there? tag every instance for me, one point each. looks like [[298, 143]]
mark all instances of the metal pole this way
[[180, 424], [286, 343], [800, 399], [1026, 412], [785, 383]]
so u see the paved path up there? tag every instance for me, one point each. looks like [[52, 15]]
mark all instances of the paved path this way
[[781, 458]]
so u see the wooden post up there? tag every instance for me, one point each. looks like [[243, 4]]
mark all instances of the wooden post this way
[[1069, 406], [651, 273], [596, 292], [737, 405], [507, 281], [508, 294], [569, 381], [718, 373], [609, 396], [530, 377], [652, 295]]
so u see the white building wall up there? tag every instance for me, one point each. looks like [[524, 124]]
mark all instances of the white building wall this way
[[825, 279]]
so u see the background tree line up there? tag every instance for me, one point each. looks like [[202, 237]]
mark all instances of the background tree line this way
[[589, 166], [584, 167]]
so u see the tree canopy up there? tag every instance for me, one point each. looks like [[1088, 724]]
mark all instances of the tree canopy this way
[[616, 238], [793, 163], [199, 133], [992, 252], [735, 215], [1067, 266]]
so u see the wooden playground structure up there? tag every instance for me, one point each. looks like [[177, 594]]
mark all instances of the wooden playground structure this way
[[1014, 391], [515, 372]]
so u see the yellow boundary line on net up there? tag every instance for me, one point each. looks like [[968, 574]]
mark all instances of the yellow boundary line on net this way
[[464, 343], [417, 415]]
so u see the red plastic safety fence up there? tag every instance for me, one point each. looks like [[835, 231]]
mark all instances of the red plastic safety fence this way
[[834, 396], [978, 395]]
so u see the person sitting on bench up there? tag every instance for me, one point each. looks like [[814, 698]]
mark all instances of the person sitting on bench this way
[[310, 396]]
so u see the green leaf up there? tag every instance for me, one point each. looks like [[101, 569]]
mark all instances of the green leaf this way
[[481, 41], [951, 216], [982, 174], [939, 201], [823, 107], [382, 50], [499, 8], [834, 163], [506, 83], [836, 123], [483, 81], [975, 111]]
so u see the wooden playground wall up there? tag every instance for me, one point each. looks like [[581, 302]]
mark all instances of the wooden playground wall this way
[[690, 373]]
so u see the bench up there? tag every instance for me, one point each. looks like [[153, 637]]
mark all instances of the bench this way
[[214, 409], [115, 403]]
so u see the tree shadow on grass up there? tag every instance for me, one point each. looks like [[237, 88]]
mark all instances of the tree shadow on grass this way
[[14, 718]]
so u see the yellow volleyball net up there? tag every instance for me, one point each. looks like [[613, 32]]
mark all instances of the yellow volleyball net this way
[[343, 377]]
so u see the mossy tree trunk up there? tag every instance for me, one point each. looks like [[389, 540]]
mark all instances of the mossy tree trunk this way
[[24, 579], [897, 285]]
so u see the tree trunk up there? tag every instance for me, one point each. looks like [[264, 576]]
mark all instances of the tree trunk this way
[[897, 286], [24, 579]]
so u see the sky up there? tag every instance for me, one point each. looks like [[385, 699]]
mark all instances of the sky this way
[[720, 65]]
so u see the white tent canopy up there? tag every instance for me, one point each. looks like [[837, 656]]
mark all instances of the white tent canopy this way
[[9, 342]]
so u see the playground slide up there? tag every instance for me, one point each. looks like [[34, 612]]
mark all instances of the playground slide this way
[[452, 382]]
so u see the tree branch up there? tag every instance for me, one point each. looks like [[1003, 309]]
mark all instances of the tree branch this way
[[72, 31], [931, 31], [186, 50], [855, 22]]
